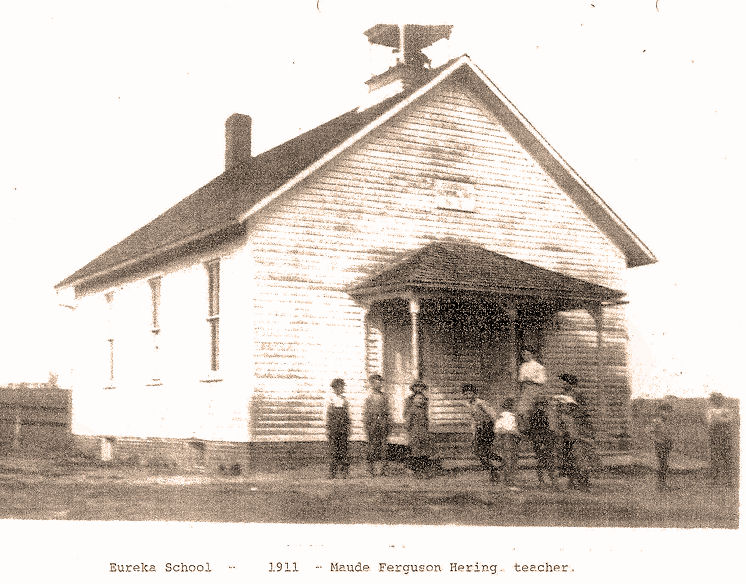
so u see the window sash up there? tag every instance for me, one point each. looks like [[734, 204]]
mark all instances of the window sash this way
[[213, 288], [213, 312], [214, 343], [155, 303]]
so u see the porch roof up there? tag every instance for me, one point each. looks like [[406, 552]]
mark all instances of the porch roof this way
[[465, 267]]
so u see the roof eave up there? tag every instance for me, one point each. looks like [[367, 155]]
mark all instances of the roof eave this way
[[79, 281], [414, 288]]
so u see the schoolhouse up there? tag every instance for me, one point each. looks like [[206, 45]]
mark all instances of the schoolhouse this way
[[427, 234]]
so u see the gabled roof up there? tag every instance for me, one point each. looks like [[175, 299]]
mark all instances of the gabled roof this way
[[239, 192], [451, 266]]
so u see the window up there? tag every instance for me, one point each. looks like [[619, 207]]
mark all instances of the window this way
[[155, 326], [109, 296], [213, 312]]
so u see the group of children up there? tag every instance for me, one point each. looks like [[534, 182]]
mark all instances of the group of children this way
[[721, 425], [558, 428], [377, 425]]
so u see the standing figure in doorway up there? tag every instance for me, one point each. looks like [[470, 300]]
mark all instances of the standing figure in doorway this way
[[418, 429], [532, 378], [338, 428], [377, 422]]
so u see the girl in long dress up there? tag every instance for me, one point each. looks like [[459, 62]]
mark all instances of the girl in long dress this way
[[417, 420]]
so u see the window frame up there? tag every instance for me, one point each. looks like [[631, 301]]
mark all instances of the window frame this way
[[155, 284], [110, 339], [213, 312]]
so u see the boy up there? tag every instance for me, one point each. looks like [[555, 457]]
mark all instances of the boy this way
[[508, 437], [483, 418], [720, 428], [338, 428], [583, 446], [662, 432], [376, 419], [543, 440]]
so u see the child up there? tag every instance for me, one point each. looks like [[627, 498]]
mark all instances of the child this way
[[583, 446], [574, 452], [377, 422], [663, 441], [338, 428], [483, 427], [720, 429], [543, 440], [508, 437], [417, 420]]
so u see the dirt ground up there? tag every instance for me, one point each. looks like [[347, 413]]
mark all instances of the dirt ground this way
[[83, 490]]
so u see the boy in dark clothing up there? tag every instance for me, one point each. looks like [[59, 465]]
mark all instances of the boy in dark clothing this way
[[483, 426], [662, 432], [721, 429], [578, 453], [338, 429], [377, 422], [543, 440]]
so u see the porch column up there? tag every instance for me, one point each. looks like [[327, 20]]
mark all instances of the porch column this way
[[366, 335], [597, 312], [512, 313], [414, 311]]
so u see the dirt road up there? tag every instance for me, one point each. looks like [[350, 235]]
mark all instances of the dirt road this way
[[49, 489]]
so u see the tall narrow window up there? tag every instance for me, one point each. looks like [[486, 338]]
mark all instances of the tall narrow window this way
[[213, 312], [110, 334], [155, 325]]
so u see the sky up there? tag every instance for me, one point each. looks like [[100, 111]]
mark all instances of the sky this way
[[112, 112]]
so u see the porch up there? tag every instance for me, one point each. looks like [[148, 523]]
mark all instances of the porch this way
[[453, 313]]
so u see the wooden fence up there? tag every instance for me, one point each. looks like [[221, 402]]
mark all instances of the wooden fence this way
[[34, 418]]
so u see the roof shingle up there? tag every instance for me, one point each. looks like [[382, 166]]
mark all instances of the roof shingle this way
[[455, 266]]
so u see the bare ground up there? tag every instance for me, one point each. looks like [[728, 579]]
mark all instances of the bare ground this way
[[81, 490]]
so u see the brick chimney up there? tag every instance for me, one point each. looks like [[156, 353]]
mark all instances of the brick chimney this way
[[237, 140]]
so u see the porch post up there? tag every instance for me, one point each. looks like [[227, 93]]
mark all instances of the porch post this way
[[366, 336], [414, 311], [513, 337], [597, 312]]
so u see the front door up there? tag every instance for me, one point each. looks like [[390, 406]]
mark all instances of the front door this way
[[397, 363]]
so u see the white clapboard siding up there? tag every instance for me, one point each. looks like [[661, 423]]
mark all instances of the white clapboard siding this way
[[355, 216]]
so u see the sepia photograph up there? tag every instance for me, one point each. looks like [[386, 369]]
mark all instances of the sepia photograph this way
[[417, 276]]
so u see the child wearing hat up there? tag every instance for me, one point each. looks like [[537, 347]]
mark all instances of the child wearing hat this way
[[483, 418], [581, 450], [416, 417], [338, 428], [377, 423]]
